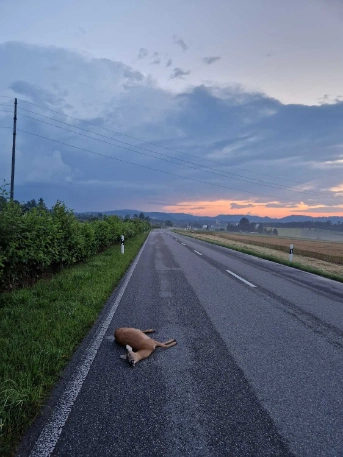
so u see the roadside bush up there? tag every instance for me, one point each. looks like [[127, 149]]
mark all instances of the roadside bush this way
[[39, 240]]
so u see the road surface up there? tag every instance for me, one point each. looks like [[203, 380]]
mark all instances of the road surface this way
[[257, 371]]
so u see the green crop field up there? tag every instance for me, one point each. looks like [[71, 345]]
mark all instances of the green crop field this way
[[311, 234]]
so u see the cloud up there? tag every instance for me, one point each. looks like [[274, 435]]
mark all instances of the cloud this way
[[256, 205], [338, 188], [37, 93], [333, 210], [79, 32], [179, 73], [328, 99], [278, 205], [250, 142], [169, 63], [179, 41], [46, 169], [238, 206], [158, 202], [210, 60], [142, 53], [157, 59]]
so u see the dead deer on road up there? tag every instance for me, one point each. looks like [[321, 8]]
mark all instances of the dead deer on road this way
[[137, 340]]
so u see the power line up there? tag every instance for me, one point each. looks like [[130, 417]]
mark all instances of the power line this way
[[205, 169], [175, 158], [144, 166], [132, 150], [135, 146], [158, 153], [138, 152], [154, 144]]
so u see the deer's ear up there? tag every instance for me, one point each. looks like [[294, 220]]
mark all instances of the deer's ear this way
[[124, 356]]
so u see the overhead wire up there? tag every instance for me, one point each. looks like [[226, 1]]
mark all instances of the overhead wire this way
[[128, 149], [128, 144], [154, 144], [245, 179], [144, 166], [158, 153], [205, 169]]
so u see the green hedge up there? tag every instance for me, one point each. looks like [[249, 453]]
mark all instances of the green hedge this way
[[39, 240]]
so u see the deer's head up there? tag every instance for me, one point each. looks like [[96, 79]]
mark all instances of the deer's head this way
[[131, 357]]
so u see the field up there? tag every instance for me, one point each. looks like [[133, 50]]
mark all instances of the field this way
[[324, 250], [311, 234], [317, 256]]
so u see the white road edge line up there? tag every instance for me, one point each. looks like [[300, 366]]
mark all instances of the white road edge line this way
[[238, 277], [197, 252], [49, 436]]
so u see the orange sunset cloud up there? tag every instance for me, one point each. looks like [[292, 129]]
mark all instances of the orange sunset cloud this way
[[272, 209]]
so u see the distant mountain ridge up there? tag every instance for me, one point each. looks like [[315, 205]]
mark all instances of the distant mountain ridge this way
[[184, 217]]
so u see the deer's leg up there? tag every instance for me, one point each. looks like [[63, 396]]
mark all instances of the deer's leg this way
[[167, 344], [169, 341], [142, 354], [148, 331]]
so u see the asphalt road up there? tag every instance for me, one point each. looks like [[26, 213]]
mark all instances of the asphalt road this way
[[257, 371]]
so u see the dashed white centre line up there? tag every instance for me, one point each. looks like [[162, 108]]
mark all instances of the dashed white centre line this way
[[242, 279], [199, 253]]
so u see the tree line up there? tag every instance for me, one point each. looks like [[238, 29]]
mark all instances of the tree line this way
[[99, 216], [35, 239], [327, 225], [246, 226]]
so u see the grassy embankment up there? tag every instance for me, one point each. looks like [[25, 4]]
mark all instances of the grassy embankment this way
[[323, 258], [40, 328]]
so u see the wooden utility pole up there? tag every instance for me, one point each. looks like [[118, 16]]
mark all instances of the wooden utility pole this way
[[13, 148]]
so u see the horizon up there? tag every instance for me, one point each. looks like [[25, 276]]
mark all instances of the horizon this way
[[244, 115], [209, 216]]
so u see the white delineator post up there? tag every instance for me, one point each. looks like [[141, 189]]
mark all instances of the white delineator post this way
[[291, 252], [122, 244]]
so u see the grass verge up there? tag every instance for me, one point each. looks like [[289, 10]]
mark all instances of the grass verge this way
[[272, 258], [40, 328]]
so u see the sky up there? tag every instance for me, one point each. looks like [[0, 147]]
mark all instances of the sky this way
[[206, 108]]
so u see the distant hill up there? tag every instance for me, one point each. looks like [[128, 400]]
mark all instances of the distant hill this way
[[223, 218]]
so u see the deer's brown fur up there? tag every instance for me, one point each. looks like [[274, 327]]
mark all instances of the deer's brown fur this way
[[138, 344]]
